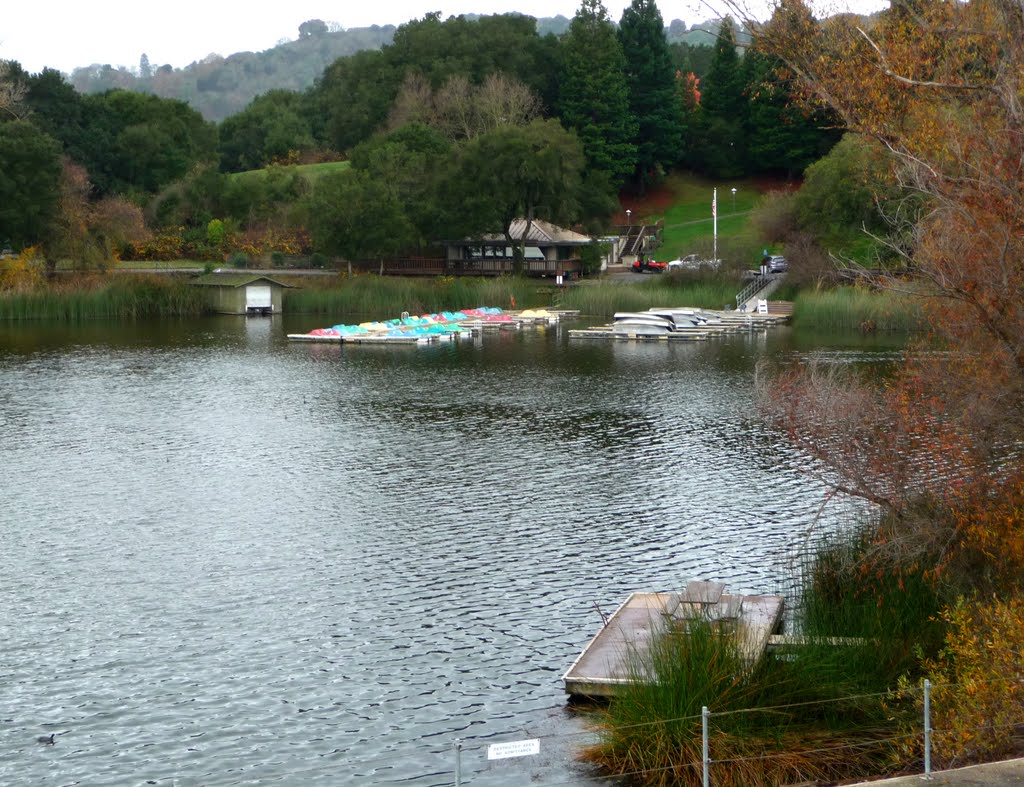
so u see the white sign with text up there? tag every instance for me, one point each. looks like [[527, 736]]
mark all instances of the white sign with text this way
[[500, 751]]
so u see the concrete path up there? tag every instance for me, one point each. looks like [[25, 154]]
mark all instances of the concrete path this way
[[1009, 773]]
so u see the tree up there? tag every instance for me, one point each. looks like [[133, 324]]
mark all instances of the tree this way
[[358, 217], [89, 234], [408, 161], [783, 134], [511, 173], [273, 126], [939, 86], [312, 27], [650, 80], [140, 143], [594, 97], [12, 90], [723, 108], [354, 96], [462, 110], [30, 170], [848, 191]]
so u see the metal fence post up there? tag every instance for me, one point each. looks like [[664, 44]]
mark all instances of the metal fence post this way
[[704, 716], [927, 729], [458, 762]]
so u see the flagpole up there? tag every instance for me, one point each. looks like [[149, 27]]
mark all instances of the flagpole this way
[[714, 215]]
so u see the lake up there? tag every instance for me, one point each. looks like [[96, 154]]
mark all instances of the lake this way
[[230, 559]]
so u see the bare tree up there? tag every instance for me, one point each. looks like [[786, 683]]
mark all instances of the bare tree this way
[[504, 101], [414, 102], [12, 92]]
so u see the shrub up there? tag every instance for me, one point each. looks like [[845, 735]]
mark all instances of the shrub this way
[[276, 259], [978, 698], [239, 259]]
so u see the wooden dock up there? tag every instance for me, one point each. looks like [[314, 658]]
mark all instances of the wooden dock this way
[[611, 659], [722, 322]]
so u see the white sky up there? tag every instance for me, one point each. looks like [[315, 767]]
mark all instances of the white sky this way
[[67, 34]]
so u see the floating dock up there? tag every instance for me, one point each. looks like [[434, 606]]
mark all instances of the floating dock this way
[[405, 333], [716, 323], [609, 662]]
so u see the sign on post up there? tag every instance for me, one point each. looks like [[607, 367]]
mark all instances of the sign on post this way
[[501, 751], [762, 306]]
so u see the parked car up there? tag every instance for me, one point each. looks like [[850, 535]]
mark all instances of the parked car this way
[[649, 266], [778, 264], [689, 261], [692, 262]]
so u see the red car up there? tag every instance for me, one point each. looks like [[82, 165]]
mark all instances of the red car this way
[[649, 266]]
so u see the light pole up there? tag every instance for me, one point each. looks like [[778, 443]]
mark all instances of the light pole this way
[[734, 199], [628, 220]]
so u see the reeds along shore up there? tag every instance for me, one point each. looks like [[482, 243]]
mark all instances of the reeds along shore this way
[[827, 712], [103, 297], [857, 309], [131, 296]]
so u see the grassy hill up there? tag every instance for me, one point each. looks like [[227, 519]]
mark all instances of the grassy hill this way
[[683, 202]]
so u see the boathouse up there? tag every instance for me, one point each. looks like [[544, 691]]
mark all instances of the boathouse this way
[[242, 293], [549, 250]]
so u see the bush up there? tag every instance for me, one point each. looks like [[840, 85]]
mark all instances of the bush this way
[[317, 260], [276, 259], [978, 698], [239, 259]]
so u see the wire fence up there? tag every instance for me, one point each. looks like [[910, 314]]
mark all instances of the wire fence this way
[[501, 760], [479, 766]]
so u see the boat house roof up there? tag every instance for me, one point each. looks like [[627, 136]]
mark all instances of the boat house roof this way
[[236, 279]]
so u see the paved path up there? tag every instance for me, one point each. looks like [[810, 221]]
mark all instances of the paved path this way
[[1009, 773]]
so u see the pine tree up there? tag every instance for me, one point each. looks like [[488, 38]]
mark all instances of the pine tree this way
[[783, 136], [723, 108], [650, 79], [594, 96]]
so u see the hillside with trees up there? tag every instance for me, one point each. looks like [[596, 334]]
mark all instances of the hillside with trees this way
[[219, 86], [444, 106]]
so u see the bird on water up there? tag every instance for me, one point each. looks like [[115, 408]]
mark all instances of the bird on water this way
[[47, 739]]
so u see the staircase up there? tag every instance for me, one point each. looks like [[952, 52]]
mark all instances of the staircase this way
[[760, 288]]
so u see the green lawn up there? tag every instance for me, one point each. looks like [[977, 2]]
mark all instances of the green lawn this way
[[310, 171], [689, 226]]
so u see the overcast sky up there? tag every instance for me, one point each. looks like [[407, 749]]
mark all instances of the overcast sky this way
[[67, 34]]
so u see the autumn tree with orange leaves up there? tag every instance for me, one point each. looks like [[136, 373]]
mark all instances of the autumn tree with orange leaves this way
[[941, 86]]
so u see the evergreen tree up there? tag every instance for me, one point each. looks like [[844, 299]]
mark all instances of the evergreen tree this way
[[782, 136], [594, 98], [723, 108], [651, 82]]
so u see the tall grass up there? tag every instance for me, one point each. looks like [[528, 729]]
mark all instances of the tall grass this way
[[91, 298], [603, 298], [383, 297], [763, 731], [857, 308], [788, 719]]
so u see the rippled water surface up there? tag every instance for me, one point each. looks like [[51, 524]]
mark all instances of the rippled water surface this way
[[228, 559]]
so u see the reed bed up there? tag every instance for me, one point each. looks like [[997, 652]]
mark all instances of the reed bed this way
[[824, 712], [603, 298], [858, 308], [102, 297], [762, 731], [389, 296]]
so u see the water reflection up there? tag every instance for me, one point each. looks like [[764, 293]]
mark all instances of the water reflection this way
[[234, 559]]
